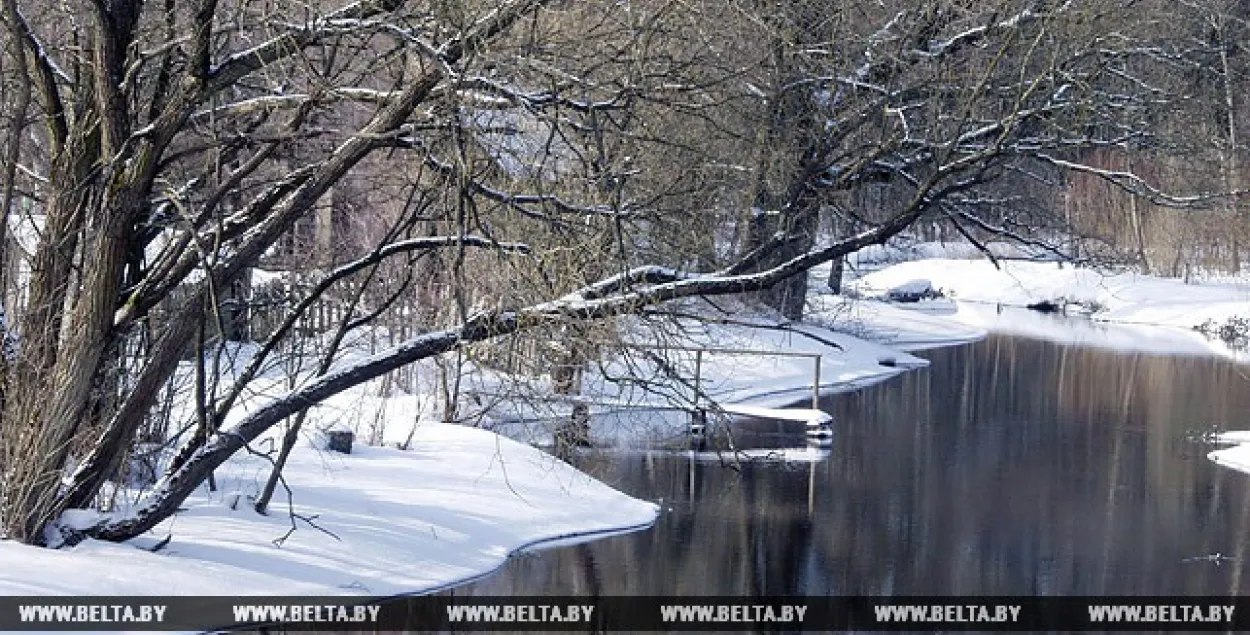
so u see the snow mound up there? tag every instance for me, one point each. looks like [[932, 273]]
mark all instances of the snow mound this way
[[912, 291]]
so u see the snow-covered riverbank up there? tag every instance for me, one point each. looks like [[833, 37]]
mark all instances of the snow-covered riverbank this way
[[450, 509], [1124, 298], [1125, 311], [460, 500], [453, 506]]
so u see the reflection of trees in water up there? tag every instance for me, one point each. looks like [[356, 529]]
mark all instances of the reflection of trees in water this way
[[739, 534], [1009, 466]]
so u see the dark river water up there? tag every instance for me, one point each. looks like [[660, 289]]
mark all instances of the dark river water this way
[[1009, 466]]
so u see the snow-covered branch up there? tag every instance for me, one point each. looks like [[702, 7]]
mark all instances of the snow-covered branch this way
[[508, 96], [1134, 184], [970, 37], [244, 63]]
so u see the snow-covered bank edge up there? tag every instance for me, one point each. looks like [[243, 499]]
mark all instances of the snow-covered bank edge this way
[[1122, 311], [450, 510], [755, 361], [1125, 298], [542, 544], [1236, 457]]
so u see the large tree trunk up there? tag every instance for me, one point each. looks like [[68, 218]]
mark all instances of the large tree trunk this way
[[1231, 165], [283, 211], [785, 200], [789, 296]]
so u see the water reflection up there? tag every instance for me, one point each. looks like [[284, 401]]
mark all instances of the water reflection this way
[[1010, 466]]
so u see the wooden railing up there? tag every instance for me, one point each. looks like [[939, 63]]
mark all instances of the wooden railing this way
[[701, 351]]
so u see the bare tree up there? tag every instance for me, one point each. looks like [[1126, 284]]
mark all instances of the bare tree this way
[[182, 142]]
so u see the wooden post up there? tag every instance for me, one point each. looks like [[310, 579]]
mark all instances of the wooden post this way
[[816, 384], [698, 371], [691, 462], [811, 488]]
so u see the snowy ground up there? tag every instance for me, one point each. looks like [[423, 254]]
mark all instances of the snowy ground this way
[[1125, 311], [450, 509], [642, 396], [1123, 298], [907, 327], [1144, 338]]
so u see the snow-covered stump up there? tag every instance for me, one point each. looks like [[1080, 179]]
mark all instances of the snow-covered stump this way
[[340, 441], [913, 291]]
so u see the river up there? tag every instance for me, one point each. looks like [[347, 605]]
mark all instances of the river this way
[[1009, 466]]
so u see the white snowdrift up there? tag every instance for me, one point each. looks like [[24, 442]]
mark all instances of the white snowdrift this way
[[846, 363], [754, 361], [902, 250], [1111, 297], [450, 509]]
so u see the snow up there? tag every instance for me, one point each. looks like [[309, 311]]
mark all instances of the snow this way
[[1125, 298], [1232, 437], [451, 509], [907, 327], [809, 454], [1236, 457], [846, 363], [1079, 331], [1126, 310], [755, 362], [1107, 309], [643, 394], [911, 291], [748, 363], [902, 251], [810, 416]]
